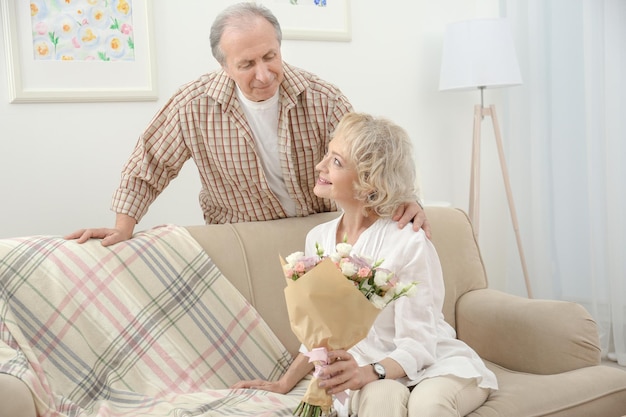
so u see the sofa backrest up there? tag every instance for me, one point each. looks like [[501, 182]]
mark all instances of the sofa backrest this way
[[462, 264], [248, 255]]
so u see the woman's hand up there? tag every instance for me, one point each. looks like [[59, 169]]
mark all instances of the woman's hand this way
[[275, 386], [298, 369], [344, 373]]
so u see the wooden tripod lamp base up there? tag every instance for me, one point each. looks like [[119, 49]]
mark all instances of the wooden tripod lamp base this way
[[481, 112]]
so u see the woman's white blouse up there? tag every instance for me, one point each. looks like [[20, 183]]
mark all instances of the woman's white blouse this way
[[410, 330]]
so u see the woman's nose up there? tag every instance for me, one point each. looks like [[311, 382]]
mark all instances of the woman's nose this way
[[321, 164]]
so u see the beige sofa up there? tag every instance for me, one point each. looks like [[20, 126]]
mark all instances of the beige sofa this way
[[545, 353]]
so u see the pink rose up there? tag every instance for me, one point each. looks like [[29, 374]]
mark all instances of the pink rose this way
[[364, 272], [299, 267]]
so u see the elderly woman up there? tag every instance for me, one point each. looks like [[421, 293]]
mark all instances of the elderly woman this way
[[410, 363]]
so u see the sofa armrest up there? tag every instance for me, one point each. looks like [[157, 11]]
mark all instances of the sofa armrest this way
[[527, 335]]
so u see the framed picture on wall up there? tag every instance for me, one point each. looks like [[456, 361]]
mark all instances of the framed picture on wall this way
[[325, 20], [79, 51]]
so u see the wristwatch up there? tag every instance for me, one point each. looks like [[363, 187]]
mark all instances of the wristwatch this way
[[380, 370]]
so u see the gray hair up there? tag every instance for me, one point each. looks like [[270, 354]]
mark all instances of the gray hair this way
[[238, 14]]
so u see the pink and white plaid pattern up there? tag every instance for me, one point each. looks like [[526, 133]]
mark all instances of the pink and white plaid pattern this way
[[148, 327]]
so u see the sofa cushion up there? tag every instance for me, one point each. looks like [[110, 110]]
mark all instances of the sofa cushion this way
[[568, 394], [528, 335]]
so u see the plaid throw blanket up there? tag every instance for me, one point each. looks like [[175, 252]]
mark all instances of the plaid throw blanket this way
[[148, 327]]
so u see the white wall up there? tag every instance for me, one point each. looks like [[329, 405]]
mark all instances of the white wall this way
[[60, 163]]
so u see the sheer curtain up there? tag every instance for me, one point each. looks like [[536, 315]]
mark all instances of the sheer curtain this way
[[567, 155]]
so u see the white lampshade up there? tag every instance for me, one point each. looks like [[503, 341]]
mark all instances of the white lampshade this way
[[478, 53]]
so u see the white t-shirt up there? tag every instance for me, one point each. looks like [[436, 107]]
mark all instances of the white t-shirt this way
[[262, 117]]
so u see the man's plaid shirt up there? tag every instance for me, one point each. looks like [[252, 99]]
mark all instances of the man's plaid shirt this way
[[204, 121]]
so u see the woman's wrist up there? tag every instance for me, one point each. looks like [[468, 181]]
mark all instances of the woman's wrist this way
[[367, 374]]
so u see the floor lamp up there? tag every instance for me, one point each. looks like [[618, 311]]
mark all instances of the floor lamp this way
[[480, 54]]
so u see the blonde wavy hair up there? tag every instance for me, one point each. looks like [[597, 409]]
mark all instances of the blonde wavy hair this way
[[382, 153]]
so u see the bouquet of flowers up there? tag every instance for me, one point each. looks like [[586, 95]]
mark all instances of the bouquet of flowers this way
[[320, 289]]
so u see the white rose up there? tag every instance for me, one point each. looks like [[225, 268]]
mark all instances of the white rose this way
[[348, 268], [381, 278], [294, 258], [344, 249]]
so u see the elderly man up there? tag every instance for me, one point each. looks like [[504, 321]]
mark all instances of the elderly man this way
[[256, 128]]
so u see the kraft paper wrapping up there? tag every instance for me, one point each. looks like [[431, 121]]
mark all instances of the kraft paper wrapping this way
[[326, 310]]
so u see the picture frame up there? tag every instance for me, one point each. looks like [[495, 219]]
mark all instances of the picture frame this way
[[32, 80], [321, 20]]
